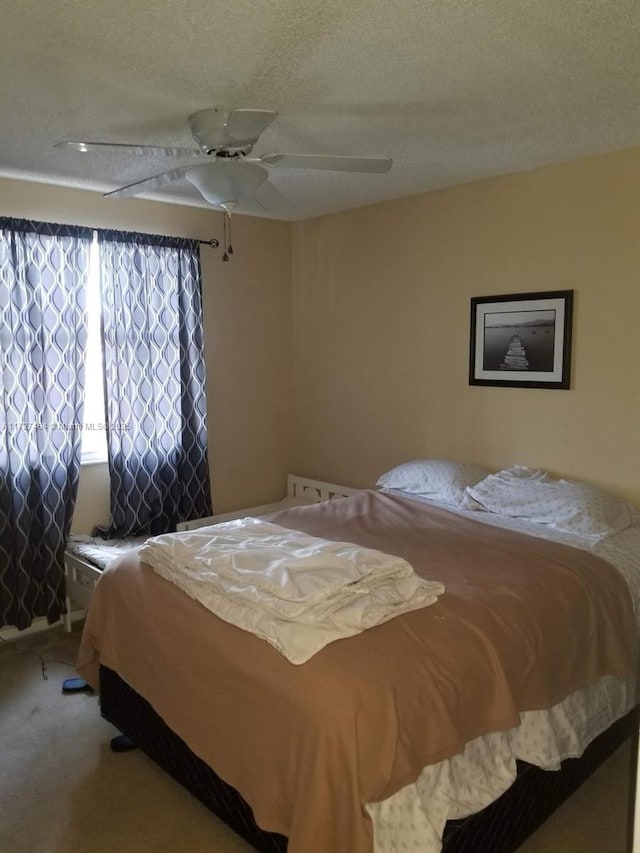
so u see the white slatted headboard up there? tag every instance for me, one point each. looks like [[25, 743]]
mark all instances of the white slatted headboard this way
[[297, 487]]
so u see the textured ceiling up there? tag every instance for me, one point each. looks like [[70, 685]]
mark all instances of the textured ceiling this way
[[452, 90]]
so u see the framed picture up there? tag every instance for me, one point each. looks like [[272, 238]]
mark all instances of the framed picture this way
[[522, 340]]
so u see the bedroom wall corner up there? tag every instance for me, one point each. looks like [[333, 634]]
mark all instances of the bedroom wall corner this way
[[250, 377]]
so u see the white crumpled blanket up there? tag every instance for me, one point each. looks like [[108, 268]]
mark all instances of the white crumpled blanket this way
[[295, 591]]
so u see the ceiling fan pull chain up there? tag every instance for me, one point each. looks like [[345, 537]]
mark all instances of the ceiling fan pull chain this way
[[225, 257], [230, 247]]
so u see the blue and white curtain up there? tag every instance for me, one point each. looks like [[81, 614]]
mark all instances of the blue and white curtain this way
[[43, 274], [154, 382]]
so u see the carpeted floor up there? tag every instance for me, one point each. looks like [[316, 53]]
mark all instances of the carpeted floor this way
[[62, 790]]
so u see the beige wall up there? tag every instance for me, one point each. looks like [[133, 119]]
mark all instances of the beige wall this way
[[375, 369], [381, 326], [247, 317]]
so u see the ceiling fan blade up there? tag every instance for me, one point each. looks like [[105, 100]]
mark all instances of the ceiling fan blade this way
[[270, 198], [146, 184], [128, 148], [332, 163]]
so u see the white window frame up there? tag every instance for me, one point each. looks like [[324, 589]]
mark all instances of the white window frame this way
[[94, 436]]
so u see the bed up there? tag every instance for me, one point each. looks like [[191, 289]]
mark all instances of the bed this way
[[390, 762]]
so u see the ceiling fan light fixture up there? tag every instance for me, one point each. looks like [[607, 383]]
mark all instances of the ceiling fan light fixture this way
[[227, 183]]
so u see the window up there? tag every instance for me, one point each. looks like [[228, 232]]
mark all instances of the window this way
[[94, 434]]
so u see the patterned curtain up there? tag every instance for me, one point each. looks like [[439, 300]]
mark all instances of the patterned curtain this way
[[43, 273], [154, 382]]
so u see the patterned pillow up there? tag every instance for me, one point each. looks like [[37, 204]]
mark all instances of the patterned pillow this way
[[437, 479], [516, 472], [565, 505]]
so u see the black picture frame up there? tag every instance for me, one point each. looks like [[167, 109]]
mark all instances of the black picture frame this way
[[521, 340]]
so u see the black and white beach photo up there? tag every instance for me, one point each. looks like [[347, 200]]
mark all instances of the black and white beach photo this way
[[505, 332], [523, 340]]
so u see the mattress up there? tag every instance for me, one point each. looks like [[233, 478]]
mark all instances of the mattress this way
[[450, 787]]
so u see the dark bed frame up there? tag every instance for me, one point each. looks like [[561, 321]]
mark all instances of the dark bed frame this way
[[499, 828]]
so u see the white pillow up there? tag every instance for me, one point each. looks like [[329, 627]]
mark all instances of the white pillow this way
[[565, 505], [437, 479], [516, 472]]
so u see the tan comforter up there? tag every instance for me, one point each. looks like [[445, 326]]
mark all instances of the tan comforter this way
[[523, 622]]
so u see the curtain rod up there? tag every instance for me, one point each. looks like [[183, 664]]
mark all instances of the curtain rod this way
[[213, 243]]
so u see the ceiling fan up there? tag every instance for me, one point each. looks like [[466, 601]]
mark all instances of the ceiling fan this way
[[220, 168]]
